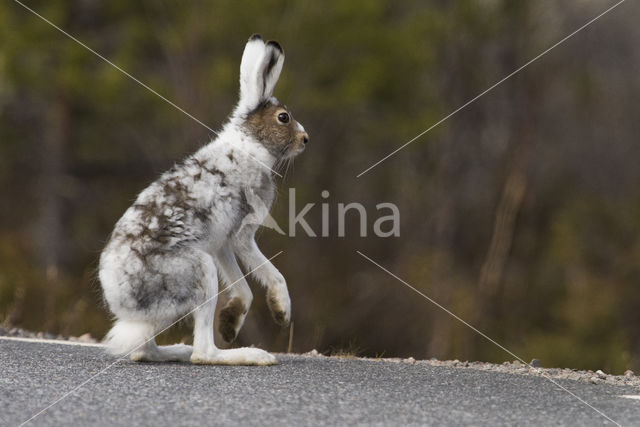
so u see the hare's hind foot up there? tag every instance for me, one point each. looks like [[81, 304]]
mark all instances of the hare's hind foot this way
[[235, 356], [164, 353]]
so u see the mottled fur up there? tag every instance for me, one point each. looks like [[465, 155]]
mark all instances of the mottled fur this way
[[166, 252]]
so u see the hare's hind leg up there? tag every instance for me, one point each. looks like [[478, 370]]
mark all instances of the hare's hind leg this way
[[135, 339], [204, 349], [148, 295], [238, 295], [151, 352]]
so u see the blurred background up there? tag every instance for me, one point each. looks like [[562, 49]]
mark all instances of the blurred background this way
[[521, 213]]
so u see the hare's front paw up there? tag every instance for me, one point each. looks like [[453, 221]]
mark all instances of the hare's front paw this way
[[231, 318], [279, 304]]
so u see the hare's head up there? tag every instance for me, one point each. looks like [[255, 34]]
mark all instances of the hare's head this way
[[261, 114]]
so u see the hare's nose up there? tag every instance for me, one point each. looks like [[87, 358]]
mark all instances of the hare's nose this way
[[305, 138]]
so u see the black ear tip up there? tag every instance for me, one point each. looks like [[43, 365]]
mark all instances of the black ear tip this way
[[275, 45], [255, 36]]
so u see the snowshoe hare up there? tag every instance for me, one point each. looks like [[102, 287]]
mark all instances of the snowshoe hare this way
[[165, 254]]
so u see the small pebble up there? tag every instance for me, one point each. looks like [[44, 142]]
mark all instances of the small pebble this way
[[536, 363], [629, 373], [86, 338], [601, 374]]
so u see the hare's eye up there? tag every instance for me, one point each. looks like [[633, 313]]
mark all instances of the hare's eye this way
[[283, 118]]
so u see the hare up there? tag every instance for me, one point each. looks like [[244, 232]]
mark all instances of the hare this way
[[165, 254]]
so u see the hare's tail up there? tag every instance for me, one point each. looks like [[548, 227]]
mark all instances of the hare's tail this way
[[126, 336]]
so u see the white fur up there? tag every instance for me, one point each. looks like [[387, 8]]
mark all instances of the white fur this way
[[255, 86], [126, 335], [136, 338], [186, 229], [250, 92]]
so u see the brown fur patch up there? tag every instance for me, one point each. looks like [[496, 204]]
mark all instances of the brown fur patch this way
[[229, 319], [277, 137]]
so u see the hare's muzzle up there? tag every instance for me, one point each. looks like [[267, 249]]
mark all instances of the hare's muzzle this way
[[302, 137]]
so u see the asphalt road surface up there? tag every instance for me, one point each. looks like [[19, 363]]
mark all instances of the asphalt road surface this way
[[301, 390]]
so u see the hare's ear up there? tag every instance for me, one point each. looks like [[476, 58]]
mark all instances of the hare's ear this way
[[249, 90], [259, 71], [271, 67]]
